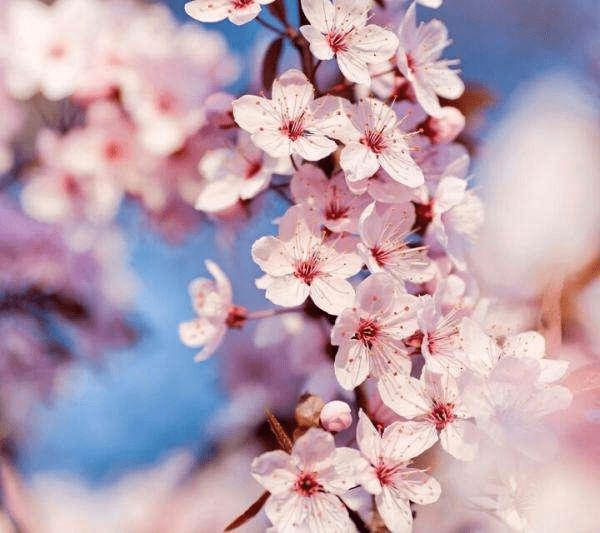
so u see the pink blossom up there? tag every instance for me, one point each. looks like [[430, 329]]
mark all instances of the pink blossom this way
[[384, 246], [234, 174], [305, 485], [212, 301], [373, 139], [340, 29], [293, 122], [334, 205], [435, 405], [419, 61], [299, 264], [370, 334], [237, 11], [389, 477]]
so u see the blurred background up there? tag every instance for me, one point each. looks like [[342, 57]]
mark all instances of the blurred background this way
[[142, 419]]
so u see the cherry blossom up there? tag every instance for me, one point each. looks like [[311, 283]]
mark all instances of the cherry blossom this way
[[370, 334], [334, 205], [237, 11], [435, 405], [340, 29], [441, 343], [212, 301], [373, 139], [305, 485], [300, 263], [419, 61], [236, 173], [384, 246], [293, 122], [389, 477]]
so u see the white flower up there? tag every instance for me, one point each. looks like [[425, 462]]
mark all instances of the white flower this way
[[340, 29], [389, 477], [212, 301], [299, 264], [434, 404], [419, 61], [292, 122], [373, 139], [237, 11], [335, 206], [236, 173], [440, 345], [370, 334], [305, 484], [383, 231]]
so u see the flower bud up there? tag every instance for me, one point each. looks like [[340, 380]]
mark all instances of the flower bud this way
[[307, 411], [336, 416]]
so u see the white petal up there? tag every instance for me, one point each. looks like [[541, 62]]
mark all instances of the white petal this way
[[358, 162], [368, 438], [287, 291], [253, 113], [351, 365], [332, 294], [404, 394], [404, 440], [274, 471], [459, 438], [394, 510], [318, 45]]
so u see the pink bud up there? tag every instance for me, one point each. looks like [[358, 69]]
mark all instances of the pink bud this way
[[447, 126], [336, 416]]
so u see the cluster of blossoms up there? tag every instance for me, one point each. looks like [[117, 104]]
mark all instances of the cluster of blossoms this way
[[128, 102], [375, 247]]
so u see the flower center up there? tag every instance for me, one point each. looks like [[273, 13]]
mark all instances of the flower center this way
[[335, 211], [293, 129], [374, 141], [366, 332], [252, 169], [385, 473], [307, 270], [306, 484], [112, 150], [337, 41], [165, 102], [381, 255], [57, 51], [411, 62], [442, 414], [241, 4]]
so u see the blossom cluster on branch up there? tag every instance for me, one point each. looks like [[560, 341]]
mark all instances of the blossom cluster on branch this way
[[374, 246]]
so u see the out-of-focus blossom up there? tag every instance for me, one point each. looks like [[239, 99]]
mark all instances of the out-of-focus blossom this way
[[212, 301], [531, 196], [49, 46]]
